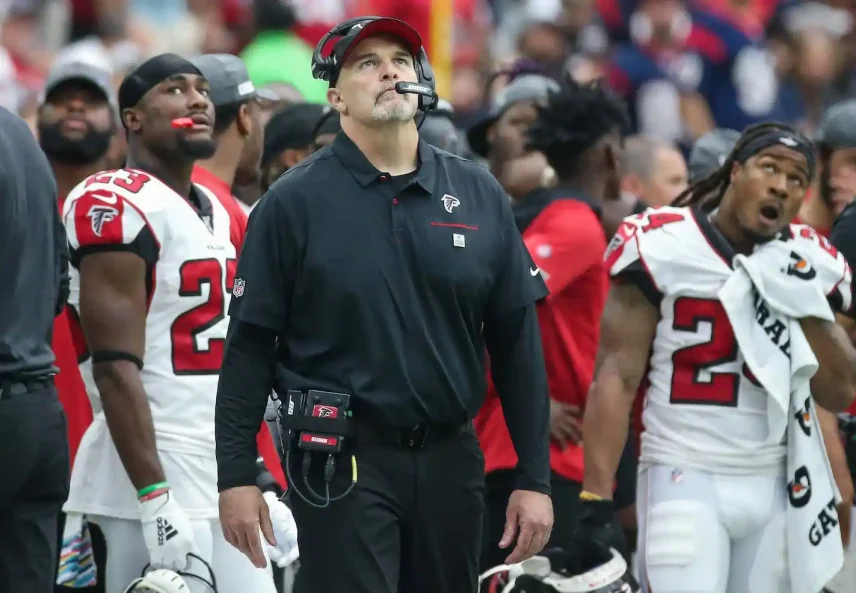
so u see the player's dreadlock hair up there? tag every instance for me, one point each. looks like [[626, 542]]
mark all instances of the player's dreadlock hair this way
[[573, 121], [707, 192]]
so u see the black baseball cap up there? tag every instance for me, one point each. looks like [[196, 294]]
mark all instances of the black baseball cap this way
[[526, 87], [81, 72], [291, 127], [379, 26], [710, 151], [229, 79]]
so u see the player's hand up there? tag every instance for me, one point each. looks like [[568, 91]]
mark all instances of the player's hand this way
[[285, 529], [566, 424], [597, 521], [528, 521], [167, 532], [243, 511]]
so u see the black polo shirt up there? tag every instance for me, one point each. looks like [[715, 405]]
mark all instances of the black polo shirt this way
[[33, 254], [380, 286]]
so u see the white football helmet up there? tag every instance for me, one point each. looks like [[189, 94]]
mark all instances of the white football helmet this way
[[163, 580]]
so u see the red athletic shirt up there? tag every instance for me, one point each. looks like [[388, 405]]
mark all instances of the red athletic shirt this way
[[237, 232], [69, 383], [566, 241]]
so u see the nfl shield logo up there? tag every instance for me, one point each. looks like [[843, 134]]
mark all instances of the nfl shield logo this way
[[238, 289]]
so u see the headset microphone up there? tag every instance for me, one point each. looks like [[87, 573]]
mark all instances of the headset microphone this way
[[415, 88]]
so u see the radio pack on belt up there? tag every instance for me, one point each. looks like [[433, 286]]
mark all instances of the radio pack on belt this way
[[315, 421]]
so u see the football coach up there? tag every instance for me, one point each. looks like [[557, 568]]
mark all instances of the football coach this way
[[34, 459], [375, 273]]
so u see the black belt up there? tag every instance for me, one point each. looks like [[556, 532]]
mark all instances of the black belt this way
[[415, 437], [13, 389]]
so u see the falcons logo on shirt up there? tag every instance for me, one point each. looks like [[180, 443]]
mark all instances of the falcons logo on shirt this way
[[450, 202], [99, 216]]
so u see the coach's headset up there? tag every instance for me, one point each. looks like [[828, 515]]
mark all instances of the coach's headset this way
[[327, 68]]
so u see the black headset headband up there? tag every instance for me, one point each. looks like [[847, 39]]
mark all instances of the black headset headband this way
[[327, 68]]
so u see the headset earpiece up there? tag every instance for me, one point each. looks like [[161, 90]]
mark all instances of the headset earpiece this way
[[325, 67]]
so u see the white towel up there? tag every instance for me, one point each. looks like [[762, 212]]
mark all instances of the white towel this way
[[765, 297]]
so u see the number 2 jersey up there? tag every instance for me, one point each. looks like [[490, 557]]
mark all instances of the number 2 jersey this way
[[190, 270], [703, 407]]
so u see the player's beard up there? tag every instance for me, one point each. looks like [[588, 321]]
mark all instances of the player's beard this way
[[67, 151], [196, 149]]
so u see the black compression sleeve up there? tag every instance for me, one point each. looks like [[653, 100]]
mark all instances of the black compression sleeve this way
[[246, 381], [517, 366]]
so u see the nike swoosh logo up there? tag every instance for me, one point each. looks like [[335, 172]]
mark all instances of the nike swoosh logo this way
[[534, 271], [111, 200]]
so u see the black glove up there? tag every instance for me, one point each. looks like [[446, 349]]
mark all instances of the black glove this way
[[596, 531]]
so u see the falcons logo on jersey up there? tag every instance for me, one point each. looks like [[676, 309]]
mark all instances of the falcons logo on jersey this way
[[450, 202], [99, 215]]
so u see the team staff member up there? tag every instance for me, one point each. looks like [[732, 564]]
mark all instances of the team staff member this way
[[579, 132], [33, 442], [288, 139], [239, 136], [383, 266], [75, 122]]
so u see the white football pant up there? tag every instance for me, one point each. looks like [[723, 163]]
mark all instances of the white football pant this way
[[706, 533], [128, 556]]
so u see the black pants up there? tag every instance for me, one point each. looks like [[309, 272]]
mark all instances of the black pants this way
[[34, 485], [412, 524], [500, 485]]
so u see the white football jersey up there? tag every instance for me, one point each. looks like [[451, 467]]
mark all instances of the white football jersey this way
[[703, 408], [191, 271]]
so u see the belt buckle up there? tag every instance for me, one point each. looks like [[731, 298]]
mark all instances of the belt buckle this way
[[416, 437]]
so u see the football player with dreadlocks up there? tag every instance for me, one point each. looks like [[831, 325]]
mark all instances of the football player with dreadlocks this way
[[717, 450]]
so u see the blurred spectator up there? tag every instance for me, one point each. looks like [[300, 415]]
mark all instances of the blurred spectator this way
[[501, 136], [326, 130], [439, 130], [288, 139], [836, 180], [276, 95], [654, 171], [277, 54], [710, 151], [76, 121], [684, 70]]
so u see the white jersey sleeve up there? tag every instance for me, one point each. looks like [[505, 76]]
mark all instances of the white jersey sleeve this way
[[833, 271], [103, 214], [630, 258]]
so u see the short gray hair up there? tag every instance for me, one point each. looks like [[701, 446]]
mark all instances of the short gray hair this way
[[639, 156]]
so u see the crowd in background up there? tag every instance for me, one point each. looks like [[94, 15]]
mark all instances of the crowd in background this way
[[682, 65]]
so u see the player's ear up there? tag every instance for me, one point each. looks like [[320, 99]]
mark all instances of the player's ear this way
[[132, 120], [735, 169], [245, 121]]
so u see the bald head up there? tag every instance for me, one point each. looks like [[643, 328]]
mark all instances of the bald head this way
[[654, 171]]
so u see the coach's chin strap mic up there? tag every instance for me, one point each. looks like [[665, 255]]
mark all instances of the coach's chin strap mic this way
[[415, 88], [403, 88]]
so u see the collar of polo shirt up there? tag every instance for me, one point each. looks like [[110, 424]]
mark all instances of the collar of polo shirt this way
[[365, 173]]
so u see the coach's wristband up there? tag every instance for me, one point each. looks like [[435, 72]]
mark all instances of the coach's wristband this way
[[585, 495], [149, 489]]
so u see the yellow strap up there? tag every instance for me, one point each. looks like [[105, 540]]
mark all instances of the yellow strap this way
[[586, 495]]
